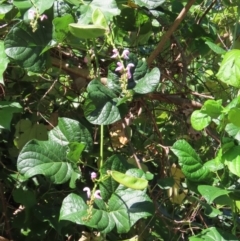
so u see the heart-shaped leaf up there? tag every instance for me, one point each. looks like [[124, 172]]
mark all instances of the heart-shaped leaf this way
[[25, 47], [47, 158]]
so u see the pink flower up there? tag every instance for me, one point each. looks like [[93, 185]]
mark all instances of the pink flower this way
[[31, 14], [125, 54], [93, 176], [129, 66], [115, 54], [44, 16], [97, 194], [87, 189], [120, 67]]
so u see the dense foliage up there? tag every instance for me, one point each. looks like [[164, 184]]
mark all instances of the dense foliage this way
[[119, 120]]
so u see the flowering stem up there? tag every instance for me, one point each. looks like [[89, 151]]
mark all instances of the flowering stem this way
[[101, 145], [96, 59]]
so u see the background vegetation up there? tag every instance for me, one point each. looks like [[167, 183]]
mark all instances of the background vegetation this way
[[135, 101]]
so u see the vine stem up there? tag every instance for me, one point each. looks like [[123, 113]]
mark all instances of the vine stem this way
[[101, 145], [170, 31]]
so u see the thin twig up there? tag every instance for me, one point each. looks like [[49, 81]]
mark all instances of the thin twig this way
[[206, 11], [167, 35]]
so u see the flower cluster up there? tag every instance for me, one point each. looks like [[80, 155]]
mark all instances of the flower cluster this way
[[120, 67], [88, 190], [33, 14]]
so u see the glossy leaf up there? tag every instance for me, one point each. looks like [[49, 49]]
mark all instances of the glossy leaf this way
[[234, 165], [7, 109], [100, 108], [25, 47], [215, 48], [26, 131], [47, 158], [233, 131], [3, 62], [200, 120], [191, 164], [212, 108], [129, 181], [150, 4], [60, 27], [234, 116], [213, 234], [42, 5], [210, 192], [75, 151], [229, 71], [68, 131], [148, 83]]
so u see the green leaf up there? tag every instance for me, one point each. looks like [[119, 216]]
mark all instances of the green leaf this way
[[42, 5], [68, 131], [60, 27], [7, 109], [86, 31], [234, 165], [213, 234], [215, 48], [191, 164], [200, 120], [150, 4], [100, 108], [233, 131], [210, 192], [22, 4], [148, 83], [229, 71], [7, 12], [234, 116], [108, 186], [26, 131], [99, 19], [46, 158], [212, 108], [25, 197], [3, 61], [129, 181], [25, 47], [108, 8], [75, 151]]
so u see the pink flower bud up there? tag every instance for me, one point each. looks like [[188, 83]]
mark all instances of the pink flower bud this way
[[87, 189], [93, 175], [44, 16], [129, 66], [125, 54], [115, 54], [120, 67], [97, 194]]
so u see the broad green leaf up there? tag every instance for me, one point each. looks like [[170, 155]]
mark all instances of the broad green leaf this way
[[200, 120], [5, 10], [212, 108], [108, 186], [75, 151], [7, 109], [214, 234], [234, 116], [3, 62], [233, 131], [101, 108], [86, 31], [210, 192], [215, 48], [22, 4], [148, 83], [25, 47], [99, 19], [129, 181], [42, 5], [74, 177], [190, 162], [234, 165], [60, 27], [229, 71], [46, 158], [150, 4], [68, 131], [24, 197], [26, 131], [108, 8]]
